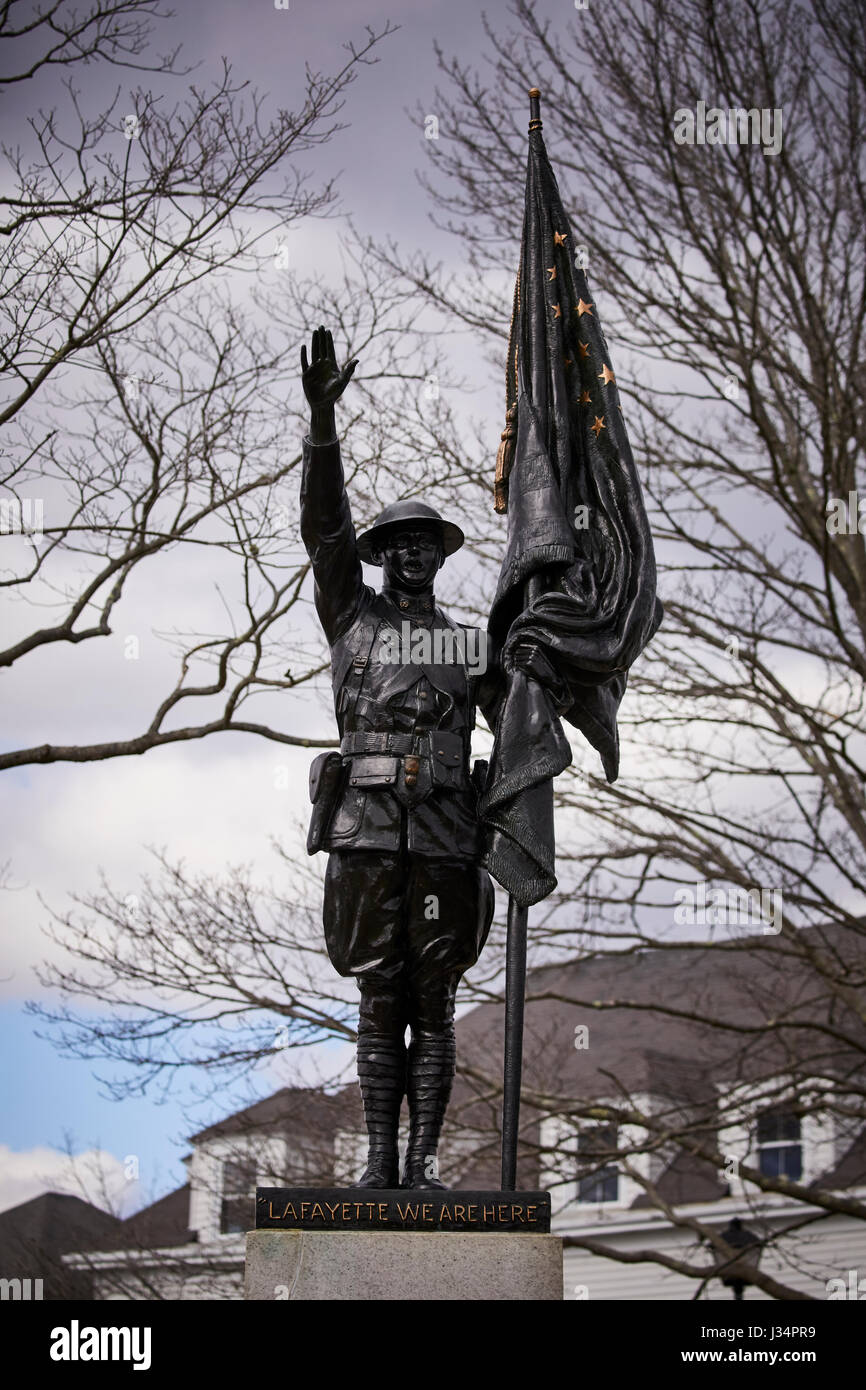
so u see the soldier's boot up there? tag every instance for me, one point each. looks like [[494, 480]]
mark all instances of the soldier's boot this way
[[430, 1077], [382, 1077]]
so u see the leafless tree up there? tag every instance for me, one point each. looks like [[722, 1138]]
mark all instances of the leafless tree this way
[[731, 287], [139, 413], [59, 34], [153, 1255], [730, 282]]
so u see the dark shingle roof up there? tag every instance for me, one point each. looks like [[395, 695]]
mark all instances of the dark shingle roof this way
[[288, 1110], [163, 1223], [36, 1234]]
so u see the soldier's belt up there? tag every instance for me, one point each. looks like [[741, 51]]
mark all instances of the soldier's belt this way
[[375, 758], [445, 747]]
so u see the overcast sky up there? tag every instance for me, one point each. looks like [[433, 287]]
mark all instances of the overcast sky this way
[[216, 801]]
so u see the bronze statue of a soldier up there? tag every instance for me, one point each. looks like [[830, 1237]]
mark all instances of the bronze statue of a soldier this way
[[407, 907]]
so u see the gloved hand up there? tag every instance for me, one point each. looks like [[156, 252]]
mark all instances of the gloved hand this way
[[532, 660]]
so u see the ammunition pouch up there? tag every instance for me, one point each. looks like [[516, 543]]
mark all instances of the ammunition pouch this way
[[376, 758], [373, 770], [448, 762], [326, 775]]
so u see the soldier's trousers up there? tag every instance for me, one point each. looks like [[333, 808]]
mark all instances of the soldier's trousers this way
[[406, 928]]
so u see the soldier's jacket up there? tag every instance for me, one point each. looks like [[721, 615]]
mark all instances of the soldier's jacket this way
[[402, 777]]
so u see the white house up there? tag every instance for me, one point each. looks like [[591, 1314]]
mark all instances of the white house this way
[[655, 1083]]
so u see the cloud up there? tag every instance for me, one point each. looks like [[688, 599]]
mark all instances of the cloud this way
[[95, 1175], [211, 806]]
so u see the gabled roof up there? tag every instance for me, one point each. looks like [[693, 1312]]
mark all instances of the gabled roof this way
[[850, 1171], [163, 1223], [35, 1235], [292, 1109], [53, 1222], [759, 989]]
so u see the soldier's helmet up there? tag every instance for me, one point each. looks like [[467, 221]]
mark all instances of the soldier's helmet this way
[[410, 514]]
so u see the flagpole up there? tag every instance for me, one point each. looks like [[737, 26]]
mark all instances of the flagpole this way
[[515, 998], [515, 984], [515, 944]]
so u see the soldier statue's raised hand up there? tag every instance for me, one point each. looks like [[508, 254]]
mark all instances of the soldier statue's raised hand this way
[[406, 906]]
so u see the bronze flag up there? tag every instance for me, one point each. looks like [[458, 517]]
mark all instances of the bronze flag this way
[[578, 578]]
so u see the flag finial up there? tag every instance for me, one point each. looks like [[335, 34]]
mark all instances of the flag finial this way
[[534, 109]]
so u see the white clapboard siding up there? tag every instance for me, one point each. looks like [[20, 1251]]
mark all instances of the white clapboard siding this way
[[818, 1254]]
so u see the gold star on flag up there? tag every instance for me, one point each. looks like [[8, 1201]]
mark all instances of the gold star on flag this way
[[559, 238], [606, 374], [584, 349], [597, 425], [585, 398], [551, 270], [557, 312], [583, 308]]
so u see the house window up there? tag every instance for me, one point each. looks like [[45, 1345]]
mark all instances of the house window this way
[[239, 1190], [597, 1181], [780, 1152]]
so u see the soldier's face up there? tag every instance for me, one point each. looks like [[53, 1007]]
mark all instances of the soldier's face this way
[[411, 558]]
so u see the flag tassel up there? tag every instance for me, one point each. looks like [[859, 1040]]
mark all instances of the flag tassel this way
[[504, 460]]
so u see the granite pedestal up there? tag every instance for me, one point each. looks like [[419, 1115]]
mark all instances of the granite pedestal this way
[[402, 1265]]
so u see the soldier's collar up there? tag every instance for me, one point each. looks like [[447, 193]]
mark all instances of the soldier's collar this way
[[421, 607]]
